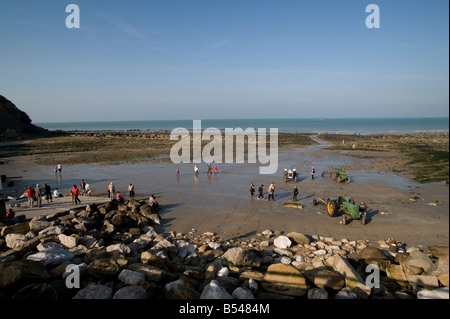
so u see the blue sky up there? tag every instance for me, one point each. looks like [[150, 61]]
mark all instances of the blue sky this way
[[167, 59]]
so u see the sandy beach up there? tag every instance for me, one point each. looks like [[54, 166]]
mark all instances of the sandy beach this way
[[399, 207]]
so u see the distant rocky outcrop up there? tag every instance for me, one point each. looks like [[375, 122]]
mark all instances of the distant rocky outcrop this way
[[16, 124]]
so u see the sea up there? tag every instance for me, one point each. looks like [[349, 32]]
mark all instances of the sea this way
[[360, 126]]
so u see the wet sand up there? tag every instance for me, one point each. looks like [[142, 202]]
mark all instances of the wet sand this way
[[222, 204]]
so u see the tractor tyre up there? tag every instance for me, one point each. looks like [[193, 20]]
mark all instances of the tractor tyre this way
[[332, 208]]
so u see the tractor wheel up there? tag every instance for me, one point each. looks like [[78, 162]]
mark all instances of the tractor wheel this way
[[344, 219], [332, 208]]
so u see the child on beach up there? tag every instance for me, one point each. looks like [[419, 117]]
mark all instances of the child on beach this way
[[120, 197], [10, 214]]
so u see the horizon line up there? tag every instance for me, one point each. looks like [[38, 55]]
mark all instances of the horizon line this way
[[243, 119]]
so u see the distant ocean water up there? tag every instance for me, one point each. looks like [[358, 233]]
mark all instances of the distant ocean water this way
[[316, 125]]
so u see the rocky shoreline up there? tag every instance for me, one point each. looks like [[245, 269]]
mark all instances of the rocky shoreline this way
[[113, 251]]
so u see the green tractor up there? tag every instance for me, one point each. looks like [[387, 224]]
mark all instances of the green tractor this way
[[337, 174], [346, 205]]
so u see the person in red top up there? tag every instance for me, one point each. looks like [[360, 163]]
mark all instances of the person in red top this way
[[30, 195], [11, 214], [75, 193]]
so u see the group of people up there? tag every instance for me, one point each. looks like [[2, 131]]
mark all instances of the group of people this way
[[85, 188], [270, 191], [211, 170], [34, 195], [111, 190]]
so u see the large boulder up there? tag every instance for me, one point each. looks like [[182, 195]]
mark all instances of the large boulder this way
[[22, 272], [95, 292], [327, 279], [131, 292], [282, 242], [374, 256], [180, 290], [241, 257], [418, 259], [285, 279], [104, 268], [352, 279], [298, 238], [52, 256], [214, 290]]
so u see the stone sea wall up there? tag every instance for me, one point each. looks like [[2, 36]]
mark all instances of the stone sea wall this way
[[114, 251]]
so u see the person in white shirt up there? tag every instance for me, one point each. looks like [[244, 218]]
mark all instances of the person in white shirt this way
[[56, 193]]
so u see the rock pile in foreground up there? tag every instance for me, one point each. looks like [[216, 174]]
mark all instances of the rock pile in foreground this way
[[113, 251]]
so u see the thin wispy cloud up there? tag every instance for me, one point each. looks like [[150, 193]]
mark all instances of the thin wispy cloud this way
[[127, 29]]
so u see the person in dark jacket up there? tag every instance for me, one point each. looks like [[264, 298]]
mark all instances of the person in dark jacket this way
[[48, 193], [261, 191], [294, 197]]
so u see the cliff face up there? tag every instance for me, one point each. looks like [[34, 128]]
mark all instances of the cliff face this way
[[16, 124]]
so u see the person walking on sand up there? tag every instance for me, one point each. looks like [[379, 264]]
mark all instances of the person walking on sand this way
[[294, 197], [30, 195], [75, 193], [88, 189], [131, 190], [178, 171], [313, 172], [271, 190], [252, 189], [38, 195], [196, 170], [83, 187], [261, 191]]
